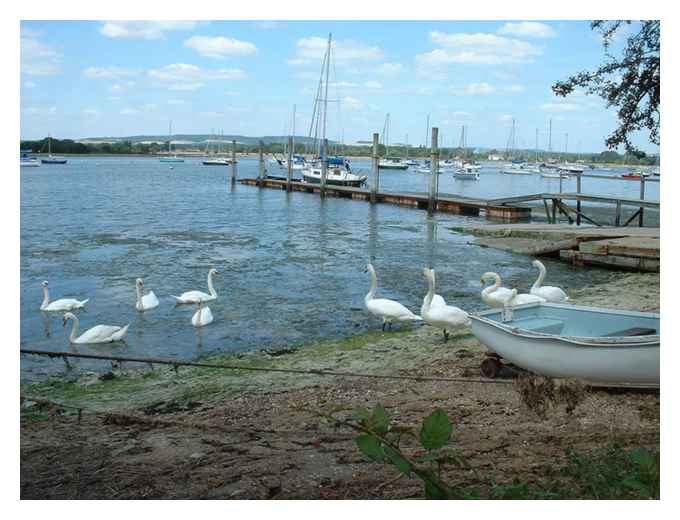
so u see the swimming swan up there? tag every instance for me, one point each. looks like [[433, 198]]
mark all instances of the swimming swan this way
[[203, 316], [147, 301], [64, 304], [445, 317], [199, 296], [97, 334], [550, 293], [495, 295], [388, 310]]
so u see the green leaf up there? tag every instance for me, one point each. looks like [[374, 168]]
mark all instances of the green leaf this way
[[642, 457], [398, 460], [370, 446], [427, 458], [435, 489], [380, 421], [436, 430], [362, 414]]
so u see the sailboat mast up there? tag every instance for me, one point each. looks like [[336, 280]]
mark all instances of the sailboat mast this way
[[550, 136], [170, 137], [427, 131], [293, 136], [537, 145], [325, 97]]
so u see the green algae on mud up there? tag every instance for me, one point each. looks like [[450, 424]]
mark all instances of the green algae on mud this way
[[373, 352]]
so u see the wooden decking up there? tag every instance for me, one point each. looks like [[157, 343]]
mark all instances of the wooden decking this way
[[636, 249], [445, 203]]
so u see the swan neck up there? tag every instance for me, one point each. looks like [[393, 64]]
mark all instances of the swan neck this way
[[491, 288], [541, 277], [211, 289], [374, 286], [46, 298], [139, 294], [74, 329]]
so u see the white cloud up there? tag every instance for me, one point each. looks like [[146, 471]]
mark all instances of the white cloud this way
[[176, 102], [505, 118], [477, 48], [184, 76], [528, 30], [389, 69], [560, 107], [92, 112], [143, 30], [108, 72], [122, 86], [37, 58], [219, 47], [40, 111], [29, 84], [129, 111], [311, 50], [373, 85], [474, 89], [352, 103]]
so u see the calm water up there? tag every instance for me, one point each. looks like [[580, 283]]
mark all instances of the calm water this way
[[291, 264]]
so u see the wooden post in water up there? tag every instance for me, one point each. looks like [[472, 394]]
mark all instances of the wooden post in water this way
[[233, 161], [376, 170], [578, 202], [434, 171], [289, 173], [642, 197], [324, 166], [260, 173]]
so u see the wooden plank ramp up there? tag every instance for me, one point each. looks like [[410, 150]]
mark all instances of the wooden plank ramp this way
[[637, 249]]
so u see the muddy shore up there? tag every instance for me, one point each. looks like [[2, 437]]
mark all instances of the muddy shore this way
[[209, 433]]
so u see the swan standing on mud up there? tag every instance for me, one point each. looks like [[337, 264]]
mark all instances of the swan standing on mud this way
[[199, 296], [64, 304], [495, 295], [445, 317], [147, 301], [97, 334], [388, 310], [548, 292]]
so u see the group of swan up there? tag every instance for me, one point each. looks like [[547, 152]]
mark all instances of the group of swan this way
[[436, 312], [145, 302]]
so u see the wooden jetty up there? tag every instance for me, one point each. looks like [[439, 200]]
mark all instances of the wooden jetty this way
[[446, 203], [633, 248]]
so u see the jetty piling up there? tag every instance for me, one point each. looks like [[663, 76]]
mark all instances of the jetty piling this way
[[434, 171], [260, 174], [324, 166], [233, 161], [289, 172], [375, 169], [642, 197]]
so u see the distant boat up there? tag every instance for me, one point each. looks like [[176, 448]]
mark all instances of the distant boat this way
[[28, 162], [571, 168], [604, 347], [550, 175], [171, 158], [392, 163], [52, 159], [218, 161], [467, 171]]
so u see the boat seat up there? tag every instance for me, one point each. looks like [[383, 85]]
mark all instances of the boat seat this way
[[633, 331], [542, 325]]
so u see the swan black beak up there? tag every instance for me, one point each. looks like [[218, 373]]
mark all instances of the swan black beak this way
[[63, 322]]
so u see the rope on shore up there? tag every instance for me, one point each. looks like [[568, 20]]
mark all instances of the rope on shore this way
[[310, 372]]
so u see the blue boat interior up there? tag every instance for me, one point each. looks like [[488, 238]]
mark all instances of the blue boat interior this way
[[575, 321]]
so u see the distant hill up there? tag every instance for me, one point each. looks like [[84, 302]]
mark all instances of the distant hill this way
[[199, 139]]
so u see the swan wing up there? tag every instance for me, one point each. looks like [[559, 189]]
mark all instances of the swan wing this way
[[447, 316], [202, 317], [551, 294], [65, 304], [390, 310], [193, 297], [149, 301], [101, 334], [523, 298]]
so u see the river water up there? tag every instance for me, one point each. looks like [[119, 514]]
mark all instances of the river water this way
[[291, 264]]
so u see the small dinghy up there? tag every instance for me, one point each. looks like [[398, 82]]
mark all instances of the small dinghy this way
[[603, 347]]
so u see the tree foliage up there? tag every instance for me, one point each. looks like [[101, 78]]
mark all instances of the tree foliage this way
[[630, 82]]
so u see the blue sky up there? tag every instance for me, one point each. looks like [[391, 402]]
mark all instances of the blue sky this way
[[84, 79]]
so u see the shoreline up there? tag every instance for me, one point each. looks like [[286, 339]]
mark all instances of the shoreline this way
[[278, 446]]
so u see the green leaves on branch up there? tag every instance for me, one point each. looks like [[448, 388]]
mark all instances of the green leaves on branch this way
[[436, 431]]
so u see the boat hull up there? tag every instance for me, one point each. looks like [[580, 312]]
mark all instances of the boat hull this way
[[53, 161], [355, 183], [393, 167], [545, 349], [171, 160]]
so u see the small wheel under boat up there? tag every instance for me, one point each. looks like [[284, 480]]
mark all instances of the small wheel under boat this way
[[491, 367]]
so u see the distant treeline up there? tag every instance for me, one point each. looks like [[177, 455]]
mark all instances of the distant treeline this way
[[68, 146]]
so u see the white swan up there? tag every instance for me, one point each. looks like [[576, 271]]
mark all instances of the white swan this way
[[64, 304], [523, 298], [203, 316], [97, 334], [437, 300], [445, 317], [199, 296], [550, 293], [147, 301], [388, 310], [495, 295]]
